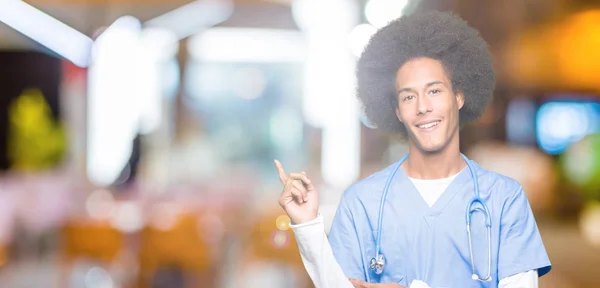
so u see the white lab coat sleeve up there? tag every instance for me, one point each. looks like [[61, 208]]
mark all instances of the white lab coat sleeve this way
[[317, 256], [418, 284], [528, 279]]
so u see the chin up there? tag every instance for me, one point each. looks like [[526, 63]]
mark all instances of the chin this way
[[429, 143], [431, 149]]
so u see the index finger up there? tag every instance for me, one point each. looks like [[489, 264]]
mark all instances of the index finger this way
[[280, 171]]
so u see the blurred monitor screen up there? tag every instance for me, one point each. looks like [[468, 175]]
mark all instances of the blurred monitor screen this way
[[560, 123]]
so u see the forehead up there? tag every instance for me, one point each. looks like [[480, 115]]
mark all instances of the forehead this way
[[420, 71]]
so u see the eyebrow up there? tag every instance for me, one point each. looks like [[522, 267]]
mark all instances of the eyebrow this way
[[409, 89]]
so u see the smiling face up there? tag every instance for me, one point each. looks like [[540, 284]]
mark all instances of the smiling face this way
[[427, 105]]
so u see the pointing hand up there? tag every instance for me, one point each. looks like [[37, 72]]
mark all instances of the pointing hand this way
[[299, 198]]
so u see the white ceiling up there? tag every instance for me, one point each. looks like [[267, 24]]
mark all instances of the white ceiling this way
[[89, 18]]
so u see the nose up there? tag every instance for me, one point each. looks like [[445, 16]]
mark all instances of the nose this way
[[423, 105]]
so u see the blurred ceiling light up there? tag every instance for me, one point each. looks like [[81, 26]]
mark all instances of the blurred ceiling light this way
[[46, 30], [122, 24], [193, 17], [359, 38], [113, 109], [159, 43], [156, 47], [329, 63], [381, 12], [125, 92], [324, 16], [329, 84], [247, 45]]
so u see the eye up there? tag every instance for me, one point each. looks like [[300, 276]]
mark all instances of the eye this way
[[409, 97], [435, 91]]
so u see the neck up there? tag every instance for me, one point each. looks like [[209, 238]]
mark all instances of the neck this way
[[434, 165]]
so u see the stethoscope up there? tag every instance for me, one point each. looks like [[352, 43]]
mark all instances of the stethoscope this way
[[378, 262]]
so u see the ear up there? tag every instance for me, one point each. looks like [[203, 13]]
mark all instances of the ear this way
[[398, 114], [460, 99]]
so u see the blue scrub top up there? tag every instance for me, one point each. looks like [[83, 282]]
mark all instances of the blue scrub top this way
[[430, 243]]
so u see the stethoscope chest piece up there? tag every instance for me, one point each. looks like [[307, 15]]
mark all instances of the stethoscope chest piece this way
[[377, 264]]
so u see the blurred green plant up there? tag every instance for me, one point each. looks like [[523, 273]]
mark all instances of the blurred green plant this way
[[581, 165], [36, 141]]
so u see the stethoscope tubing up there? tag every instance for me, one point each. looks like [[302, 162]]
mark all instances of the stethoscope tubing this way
[[378, 256]]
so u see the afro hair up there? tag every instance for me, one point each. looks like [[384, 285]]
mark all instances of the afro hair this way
[[437, 35]]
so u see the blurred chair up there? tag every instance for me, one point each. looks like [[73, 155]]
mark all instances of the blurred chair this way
[[176, 255], [4, 255], [97, 241]]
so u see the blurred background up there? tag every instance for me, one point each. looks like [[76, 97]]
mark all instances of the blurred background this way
[[138, 136]]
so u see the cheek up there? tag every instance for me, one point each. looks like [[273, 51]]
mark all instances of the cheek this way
[[403, 114], [447, 107]]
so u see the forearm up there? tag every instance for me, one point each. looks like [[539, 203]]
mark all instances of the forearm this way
[[317, 256]]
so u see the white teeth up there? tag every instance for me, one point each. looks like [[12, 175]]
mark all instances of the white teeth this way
[[428, 125]]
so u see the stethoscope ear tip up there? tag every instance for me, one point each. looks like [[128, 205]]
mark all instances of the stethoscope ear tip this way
[[474, 277]]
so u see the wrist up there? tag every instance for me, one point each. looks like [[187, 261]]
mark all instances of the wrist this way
[[304, 219]]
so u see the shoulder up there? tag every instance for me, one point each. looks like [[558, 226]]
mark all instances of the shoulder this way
[[370, 186], [496, 184]]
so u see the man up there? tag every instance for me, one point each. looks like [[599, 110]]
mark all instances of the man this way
[[423, 76]]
